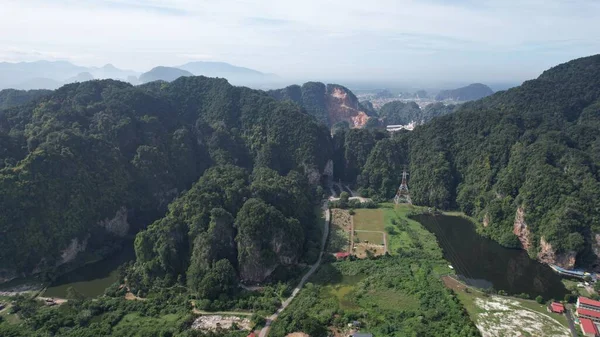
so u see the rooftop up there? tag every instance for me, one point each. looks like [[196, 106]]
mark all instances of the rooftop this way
[[589, 301], [587, 312], [588, 326]]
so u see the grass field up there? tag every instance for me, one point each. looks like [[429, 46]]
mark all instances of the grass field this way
[[369, 219], [370, 237], [134, 321]]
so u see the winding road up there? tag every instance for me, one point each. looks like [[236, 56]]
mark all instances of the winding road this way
[[265, 331]]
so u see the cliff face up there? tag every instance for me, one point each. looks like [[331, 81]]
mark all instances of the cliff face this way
[[329, 104], [548, 254], [521, 230], [343, 106], [117, 225]]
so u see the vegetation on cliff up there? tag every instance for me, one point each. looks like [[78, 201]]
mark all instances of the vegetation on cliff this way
[[535, 146], [74, 158]]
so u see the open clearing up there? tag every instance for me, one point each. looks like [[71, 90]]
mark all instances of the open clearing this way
[[369, 219], [499, 316], [216, 322], [375, 238]]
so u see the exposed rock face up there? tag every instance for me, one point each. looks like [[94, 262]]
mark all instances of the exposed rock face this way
[[74, 248], [521, 230], [486, 220], [596, 244], [117, 225], [547, 254], [342, 106]]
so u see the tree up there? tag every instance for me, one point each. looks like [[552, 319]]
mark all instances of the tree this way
[[539, 299]]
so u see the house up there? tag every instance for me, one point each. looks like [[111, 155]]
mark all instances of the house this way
[[588, 328], [252, 334], [341, 255], [557, 308], [592, 315], [588, 303]]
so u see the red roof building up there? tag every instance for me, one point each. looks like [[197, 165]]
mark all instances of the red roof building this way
[[252, 335], [557, 307], [341, 255], [588, 303], [589, 314], [588, 328]]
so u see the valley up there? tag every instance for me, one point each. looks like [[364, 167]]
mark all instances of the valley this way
[[223, 189]]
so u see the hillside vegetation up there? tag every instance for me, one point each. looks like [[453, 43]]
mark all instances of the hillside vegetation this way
[[86, 163], [535, 148]]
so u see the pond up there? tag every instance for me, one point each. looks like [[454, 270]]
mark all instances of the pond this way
[[483, 263], [92, 279]]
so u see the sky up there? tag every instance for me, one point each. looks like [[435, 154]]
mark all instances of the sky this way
[[393, 40]]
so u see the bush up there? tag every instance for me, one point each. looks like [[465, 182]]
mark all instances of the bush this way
[[539, 299]]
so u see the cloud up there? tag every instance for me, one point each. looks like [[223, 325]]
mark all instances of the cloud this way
[[313, 38]]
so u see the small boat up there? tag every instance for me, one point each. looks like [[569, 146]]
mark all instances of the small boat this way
[[450, 266]]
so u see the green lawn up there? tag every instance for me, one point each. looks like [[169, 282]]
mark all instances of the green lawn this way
[[408, 235], [369, 219], [133, 322], [370, 237]]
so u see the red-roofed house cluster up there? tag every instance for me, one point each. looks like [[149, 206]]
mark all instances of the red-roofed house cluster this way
[[557, 308], [588, 311]]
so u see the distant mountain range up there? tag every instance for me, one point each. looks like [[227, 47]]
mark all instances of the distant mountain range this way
[[168, 74], [469, 93], [53, 74]]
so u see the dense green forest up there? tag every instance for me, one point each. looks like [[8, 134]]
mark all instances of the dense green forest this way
[[74, 160], [535, 147], [403, 113], [11, 97]]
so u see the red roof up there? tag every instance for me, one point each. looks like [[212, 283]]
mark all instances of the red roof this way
[[341, 255], [588, 326], [588, 301], [588, 312], [252, 335], [557, 307]]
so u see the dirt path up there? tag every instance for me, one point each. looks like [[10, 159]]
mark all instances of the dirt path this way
[[265, 331], [222, 313], [351, 235]]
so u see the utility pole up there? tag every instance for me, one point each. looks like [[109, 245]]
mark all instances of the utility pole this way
[[403, 196]]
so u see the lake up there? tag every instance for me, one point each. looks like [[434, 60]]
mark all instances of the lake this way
[[484, 263], [91, 280]]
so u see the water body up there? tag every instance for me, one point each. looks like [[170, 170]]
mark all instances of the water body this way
[[484, 263], [92, 279]]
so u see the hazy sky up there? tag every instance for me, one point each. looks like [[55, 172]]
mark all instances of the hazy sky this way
[[459, 40]]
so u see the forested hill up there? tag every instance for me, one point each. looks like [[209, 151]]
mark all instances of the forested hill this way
[[10, 97], [330, 104], [523, 161], [403, 113], [469, 93], [82, 165]]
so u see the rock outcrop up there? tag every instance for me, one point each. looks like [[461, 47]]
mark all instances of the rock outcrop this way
[[343, 106], [521, 230], [74, 248], [118, 225], [548, 255], [329, 104]]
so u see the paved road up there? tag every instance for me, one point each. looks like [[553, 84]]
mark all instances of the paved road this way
[[571, 324], [265, 331]]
